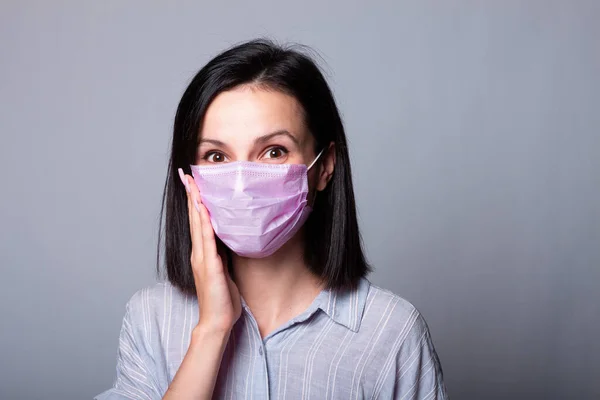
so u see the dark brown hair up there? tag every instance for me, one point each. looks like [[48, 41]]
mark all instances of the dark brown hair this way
[[333, 248]]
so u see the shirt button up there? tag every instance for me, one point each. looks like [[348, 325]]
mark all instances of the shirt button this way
[[260, 351]]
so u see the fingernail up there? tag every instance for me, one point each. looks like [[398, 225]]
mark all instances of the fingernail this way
[[183, 180], [196, 205]]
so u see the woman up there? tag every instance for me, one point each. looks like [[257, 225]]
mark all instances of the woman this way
[[267, 295]]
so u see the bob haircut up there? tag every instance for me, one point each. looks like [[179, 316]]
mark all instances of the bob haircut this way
[[333, 248]]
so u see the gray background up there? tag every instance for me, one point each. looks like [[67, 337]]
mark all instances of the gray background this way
[[474, 135]]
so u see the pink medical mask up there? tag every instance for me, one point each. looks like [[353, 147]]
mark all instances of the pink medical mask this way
[[254, 207]]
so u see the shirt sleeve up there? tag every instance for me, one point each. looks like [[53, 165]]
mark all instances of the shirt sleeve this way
[[135, 378], [418, 371]]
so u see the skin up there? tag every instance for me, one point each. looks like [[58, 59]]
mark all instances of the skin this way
[[248, 123]]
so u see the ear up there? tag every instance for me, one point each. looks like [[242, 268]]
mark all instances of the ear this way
[[326, 167]]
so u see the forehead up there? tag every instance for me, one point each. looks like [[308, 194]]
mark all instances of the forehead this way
[[249, 112]]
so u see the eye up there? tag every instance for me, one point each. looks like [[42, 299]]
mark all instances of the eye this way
[[276, 152], [215, 157]]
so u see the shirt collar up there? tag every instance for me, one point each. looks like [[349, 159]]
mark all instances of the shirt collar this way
[[346, 307]]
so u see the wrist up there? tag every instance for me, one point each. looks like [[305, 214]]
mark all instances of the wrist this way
[[206, 333]]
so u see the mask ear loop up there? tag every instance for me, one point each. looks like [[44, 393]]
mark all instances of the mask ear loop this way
[[315, 160], [314, 199]]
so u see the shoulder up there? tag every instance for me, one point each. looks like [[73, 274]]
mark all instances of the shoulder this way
[[397, 311], [151, 307], [404, 355], [393, 317], [156, 297]]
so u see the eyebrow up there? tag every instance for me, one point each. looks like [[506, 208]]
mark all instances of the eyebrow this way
[[213, 142], [259, 140], [281, 132]]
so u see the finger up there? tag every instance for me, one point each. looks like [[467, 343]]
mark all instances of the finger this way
[[191, 211], [188, 199], [194, 218], [208, 234], [185, 183], [183, 180]]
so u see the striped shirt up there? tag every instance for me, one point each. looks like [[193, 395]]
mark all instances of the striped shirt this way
[[366, 343]]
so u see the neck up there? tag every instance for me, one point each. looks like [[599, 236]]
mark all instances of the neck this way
[[278, 287]]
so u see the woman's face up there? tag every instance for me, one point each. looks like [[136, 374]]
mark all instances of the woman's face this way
[[249, 123]]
